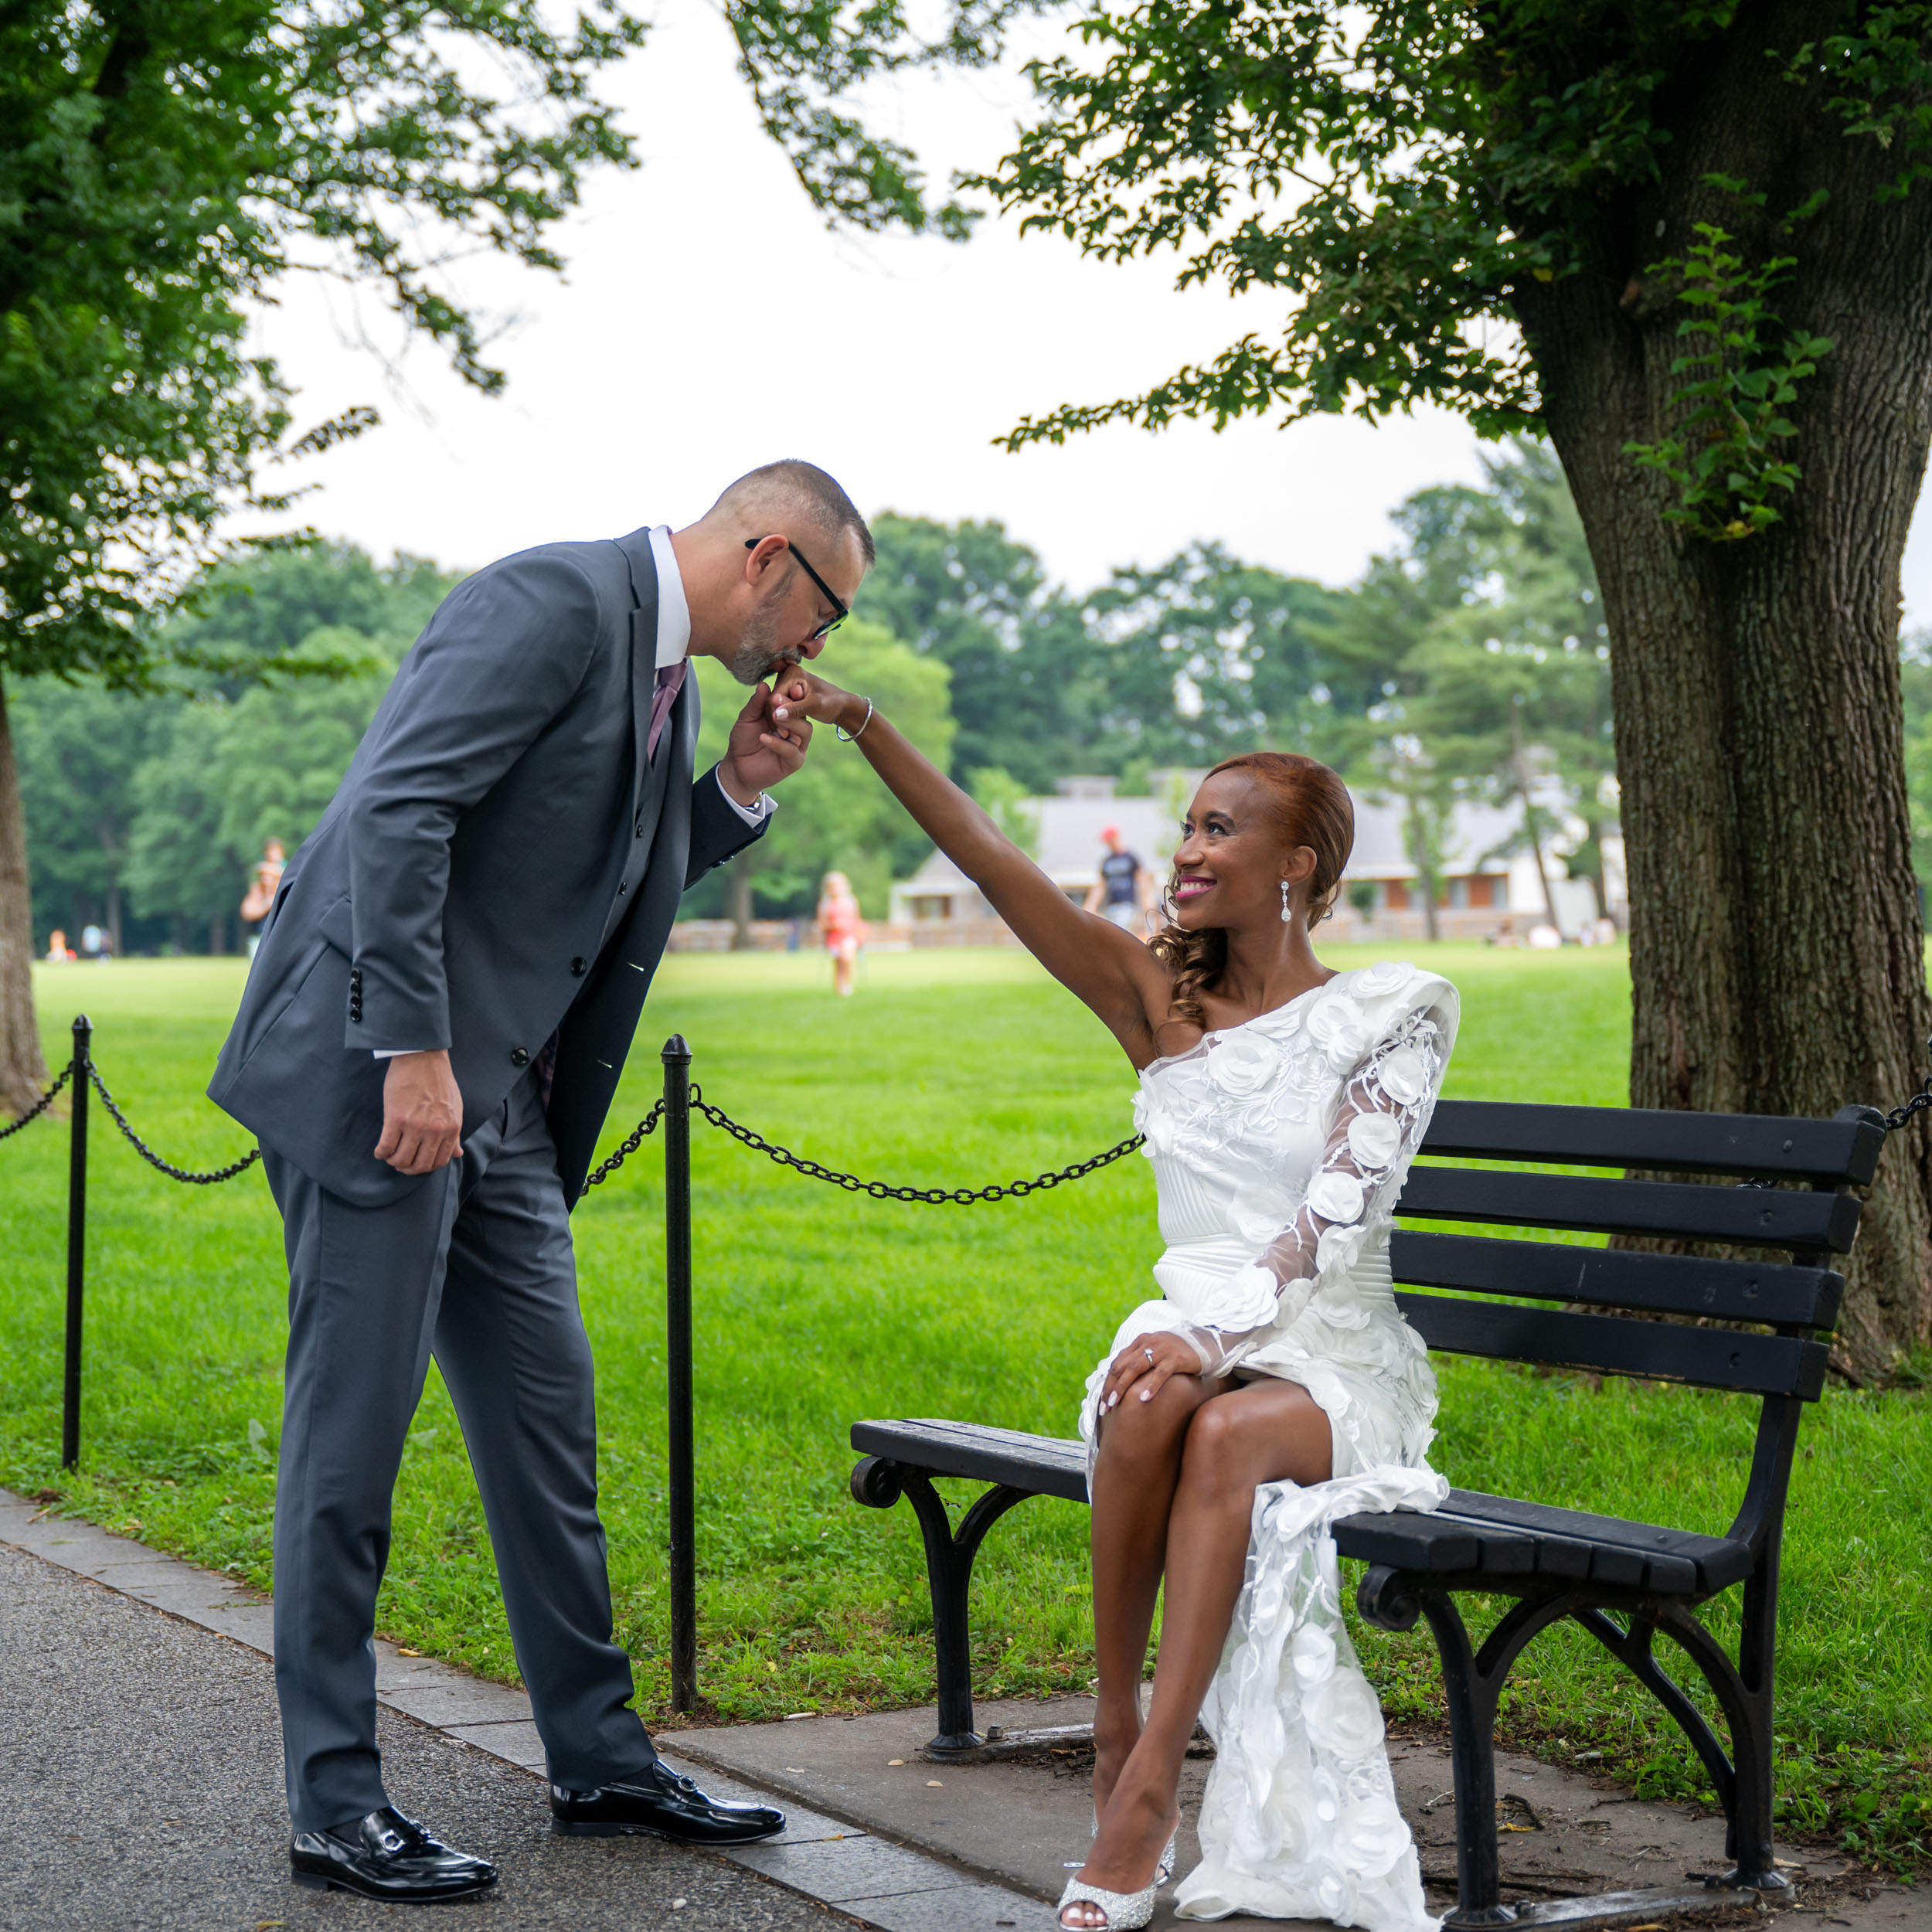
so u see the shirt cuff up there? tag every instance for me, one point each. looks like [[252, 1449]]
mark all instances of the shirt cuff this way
[[390, 1053], [754, 813]]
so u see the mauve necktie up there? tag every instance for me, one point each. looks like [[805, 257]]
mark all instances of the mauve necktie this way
[[670, 681]]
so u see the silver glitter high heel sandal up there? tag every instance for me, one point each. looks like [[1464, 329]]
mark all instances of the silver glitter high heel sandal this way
[[1126, 1911], [1164, 1870]]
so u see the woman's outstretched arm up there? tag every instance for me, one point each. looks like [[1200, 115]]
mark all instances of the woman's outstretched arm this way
[[1098, 962]]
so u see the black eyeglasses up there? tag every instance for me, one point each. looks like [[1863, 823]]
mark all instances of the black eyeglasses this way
[[838, 603]]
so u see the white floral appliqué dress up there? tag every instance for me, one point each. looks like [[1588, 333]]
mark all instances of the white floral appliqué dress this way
[[1279, 1147]]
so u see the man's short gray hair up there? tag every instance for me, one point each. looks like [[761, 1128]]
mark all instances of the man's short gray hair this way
[[791, 487]]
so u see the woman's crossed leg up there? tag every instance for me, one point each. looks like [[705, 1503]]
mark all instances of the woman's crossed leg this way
[[1174, 1488]]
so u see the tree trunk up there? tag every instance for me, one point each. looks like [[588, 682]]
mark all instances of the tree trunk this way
[[1776, 948], [23, 1068], [1542, 867], [738, 907], [1421, 853], [113, 916]]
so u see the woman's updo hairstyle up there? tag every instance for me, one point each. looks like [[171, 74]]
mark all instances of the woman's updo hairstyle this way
[[1310, 806]]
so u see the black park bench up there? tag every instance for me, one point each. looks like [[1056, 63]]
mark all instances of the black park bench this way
[[1761, 1328]]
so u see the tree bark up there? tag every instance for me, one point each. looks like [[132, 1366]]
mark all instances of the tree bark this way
[[738, 907], [23, 1067], [1776, 948]]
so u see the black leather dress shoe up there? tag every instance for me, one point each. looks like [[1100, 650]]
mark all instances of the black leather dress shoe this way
[[388, 1856], [657, 1800]]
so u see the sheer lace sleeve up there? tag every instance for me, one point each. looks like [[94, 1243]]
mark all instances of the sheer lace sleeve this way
[[1380, 1117]]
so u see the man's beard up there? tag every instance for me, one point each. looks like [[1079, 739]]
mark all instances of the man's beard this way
[[759, 653]]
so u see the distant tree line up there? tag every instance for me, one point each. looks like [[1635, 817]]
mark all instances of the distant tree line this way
[[1466, 662], [145, 813]]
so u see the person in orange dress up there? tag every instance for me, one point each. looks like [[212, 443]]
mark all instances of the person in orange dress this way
[[841, 928]]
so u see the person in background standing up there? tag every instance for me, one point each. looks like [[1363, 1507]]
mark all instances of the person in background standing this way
[[1121, 893], [260, 898], [841, 928]]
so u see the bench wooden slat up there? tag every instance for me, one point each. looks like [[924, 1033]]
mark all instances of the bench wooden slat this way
[[1751, 1217], [1472, 1533], [1834, 1152], [1770, 1364], [1048, 1465], [1773, 1292]]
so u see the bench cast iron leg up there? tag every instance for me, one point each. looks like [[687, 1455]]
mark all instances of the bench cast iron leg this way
[[1743, 1788], [1472, 1681], [949, 1571]]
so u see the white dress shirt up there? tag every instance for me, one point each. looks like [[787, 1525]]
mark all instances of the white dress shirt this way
[[674, 646]]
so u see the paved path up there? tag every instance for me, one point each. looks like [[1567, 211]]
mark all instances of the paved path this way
[[139, 1787], [141, 1781]]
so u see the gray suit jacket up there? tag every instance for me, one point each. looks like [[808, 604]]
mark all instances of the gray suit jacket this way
[[497, 822]]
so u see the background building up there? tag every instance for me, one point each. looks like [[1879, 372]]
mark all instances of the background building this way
[[1488, 885]]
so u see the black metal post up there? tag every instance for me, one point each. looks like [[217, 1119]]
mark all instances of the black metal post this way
[[84, 1034], [677, 1326]]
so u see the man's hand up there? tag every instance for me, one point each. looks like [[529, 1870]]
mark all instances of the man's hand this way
[[422, 1113], [764, 750]]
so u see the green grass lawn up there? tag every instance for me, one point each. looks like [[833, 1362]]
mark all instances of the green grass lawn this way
[[814, 1308]]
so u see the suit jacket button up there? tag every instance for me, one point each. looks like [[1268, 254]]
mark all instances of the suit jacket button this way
[[578, 968], [519, 1057]]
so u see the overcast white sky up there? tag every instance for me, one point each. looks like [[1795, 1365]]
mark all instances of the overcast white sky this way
[[708, 322]]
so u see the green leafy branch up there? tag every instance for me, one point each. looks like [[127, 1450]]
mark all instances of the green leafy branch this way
[[1744, 373]]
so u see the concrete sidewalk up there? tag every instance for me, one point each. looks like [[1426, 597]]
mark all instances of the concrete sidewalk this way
[[141, 1781], [141, 1784]]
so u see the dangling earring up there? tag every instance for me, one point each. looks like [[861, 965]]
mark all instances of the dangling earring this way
[[1288, 911]]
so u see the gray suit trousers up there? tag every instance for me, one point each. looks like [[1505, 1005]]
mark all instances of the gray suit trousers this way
[[475, 1265]]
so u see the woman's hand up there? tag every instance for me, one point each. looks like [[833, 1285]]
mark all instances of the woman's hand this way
[[1142, 1368], [823, 702]]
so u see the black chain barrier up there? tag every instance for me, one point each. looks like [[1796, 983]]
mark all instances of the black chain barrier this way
[[1917, 1104], [41, 1105], [878, 1190], [153, 1159], [632, 1141]]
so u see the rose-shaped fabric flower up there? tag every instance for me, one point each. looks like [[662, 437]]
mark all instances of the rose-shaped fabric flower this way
[[1404, 1075], [1373, 1140], [1338, 1026], [1336, 1197], [1312, 1653], [1385, 976], [1342, 1714], [1338, 1248], [1370, 1836], [1246, 1299], [1340, 1306], [1244, 1063], [1291, 1813]]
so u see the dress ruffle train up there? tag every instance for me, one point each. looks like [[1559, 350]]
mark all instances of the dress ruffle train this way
[[1299, 1820]]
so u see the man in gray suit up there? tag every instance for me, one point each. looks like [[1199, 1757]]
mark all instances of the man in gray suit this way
[[429, 1038]]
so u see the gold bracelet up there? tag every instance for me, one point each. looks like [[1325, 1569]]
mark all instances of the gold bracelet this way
[[846, 737]]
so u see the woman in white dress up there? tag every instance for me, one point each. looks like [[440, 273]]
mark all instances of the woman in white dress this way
[[1274, 1386]]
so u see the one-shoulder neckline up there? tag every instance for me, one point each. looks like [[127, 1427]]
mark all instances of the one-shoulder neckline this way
[[1216, 1033]]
